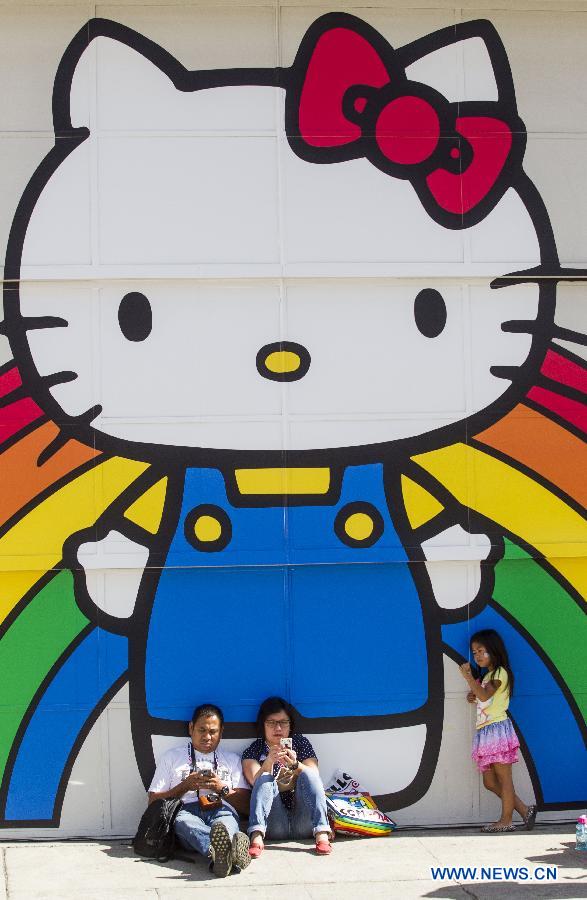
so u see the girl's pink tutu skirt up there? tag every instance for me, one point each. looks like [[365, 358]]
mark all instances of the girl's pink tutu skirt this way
[[495, 743]]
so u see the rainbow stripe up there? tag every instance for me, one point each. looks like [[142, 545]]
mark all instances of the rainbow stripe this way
[[352, 821], [527, 473]]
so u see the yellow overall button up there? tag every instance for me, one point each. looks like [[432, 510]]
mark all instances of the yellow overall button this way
[[281, 361], [359, 526], [207, 528]]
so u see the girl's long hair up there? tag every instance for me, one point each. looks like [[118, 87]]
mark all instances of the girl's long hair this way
[[498, 654]]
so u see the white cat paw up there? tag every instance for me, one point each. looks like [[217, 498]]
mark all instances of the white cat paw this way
[[453, 561], [113, 569]]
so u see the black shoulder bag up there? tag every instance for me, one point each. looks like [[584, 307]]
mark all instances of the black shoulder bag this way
[[155, 837]]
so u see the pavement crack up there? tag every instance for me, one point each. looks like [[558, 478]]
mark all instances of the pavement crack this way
[[467, 891], [5, 872]]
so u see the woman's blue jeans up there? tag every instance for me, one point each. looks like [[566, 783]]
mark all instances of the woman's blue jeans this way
[[269, 815]]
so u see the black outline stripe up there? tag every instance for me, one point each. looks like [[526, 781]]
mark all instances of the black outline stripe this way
[[548, 413]]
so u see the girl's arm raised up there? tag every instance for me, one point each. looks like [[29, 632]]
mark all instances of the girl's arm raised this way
[[482, 692]]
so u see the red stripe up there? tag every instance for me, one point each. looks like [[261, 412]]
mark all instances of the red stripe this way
[[560, 369], [16, 416], [10, 381], [570, 410]]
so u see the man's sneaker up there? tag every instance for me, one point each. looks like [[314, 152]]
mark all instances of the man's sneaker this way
[[530, 819], [240, 850], [220, 850]]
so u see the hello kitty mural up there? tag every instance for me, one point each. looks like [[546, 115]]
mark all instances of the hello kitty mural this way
[[285, 452]]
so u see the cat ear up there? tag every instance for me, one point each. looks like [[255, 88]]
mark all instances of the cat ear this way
[[112, 77], [466, 62]]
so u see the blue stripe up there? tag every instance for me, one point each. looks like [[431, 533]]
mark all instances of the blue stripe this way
[[70, 699]]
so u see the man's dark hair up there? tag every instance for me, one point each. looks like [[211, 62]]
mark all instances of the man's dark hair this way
[[207, 709], [269, 707]]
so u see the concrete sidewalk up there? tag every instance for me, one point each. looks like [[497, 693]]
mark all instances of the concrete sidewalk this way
[[393, 867]]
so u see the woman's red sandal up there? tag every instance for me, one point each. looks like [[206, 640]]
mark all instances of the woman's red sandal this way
[[323, 847]]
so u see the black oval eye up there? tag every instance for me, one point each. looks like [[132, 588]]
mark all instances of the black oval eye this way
[[135, 317], [430, 312]]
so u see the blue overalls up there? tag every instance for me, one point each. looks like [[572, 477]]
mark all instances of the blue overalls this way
[[315, 603]]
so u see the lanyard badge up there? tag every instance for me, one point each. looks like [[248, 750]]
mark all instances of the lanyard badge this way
[[212, 800]]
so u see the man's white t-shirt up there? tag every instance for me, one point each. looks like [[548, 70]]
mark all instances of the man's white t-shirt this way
[[176, 764]]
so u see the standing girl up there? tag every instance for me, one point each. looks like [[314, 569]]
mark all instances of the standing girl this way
[[495, 745]]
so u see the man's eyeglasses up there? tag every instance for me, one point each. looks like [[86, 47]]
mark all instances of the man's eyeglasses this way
[[277, 723]]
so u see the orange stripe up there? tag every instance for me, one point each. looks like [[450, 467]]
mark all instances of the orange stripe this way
[[543, 446], [20, 476]]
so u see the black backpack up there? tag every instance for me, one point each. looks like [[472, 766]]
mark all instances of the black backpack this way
[[155, 837]]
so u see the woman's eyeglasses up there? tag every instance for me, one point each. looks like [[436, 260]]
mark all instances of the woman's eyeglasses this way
[[277, 723]]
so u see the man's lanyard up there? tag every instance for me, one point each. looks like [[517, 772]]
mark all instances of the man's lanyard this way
[[193, 763], [192, 756]]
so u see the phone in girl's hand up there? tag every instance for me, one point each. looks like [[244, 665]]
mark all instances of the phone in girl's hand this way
[[286, 743]]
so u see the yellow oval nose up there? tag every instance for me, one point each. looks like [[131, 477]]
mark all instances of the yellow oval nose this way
[[282, 361]]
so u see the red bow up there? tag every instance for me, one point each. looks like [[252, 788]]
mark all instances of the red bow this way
[[351, 103]]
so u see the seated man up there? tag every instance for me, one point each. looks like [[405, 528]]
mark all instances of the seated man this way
[[211, 783]]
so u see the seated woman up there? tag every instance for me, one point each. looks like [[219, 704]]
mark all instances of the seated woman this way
[[288, 799]]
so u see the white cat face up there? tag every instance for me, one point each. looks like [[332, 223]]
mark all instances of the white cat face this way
[[235, 245]]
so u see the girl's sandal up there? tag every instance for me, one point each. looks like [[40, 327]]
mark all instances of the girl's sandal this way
[[530, 819], [498, 829]]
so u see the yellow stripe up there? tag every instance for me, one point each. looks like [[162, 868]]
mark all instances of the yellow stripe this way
[[283, 481], [148, 509], [516, 502], [420, 505], [35, 544]]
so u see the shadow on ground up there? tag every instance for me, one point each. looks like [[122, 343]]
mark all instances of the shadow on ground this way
[[501, 891], [185, 865]]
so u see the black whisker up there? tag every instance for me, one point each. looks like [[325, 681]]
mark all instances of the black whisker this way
[[567, 334], [524, 276], [507, 372], [59, 378], [572, 274], [52, 448], [87, 417], [520, 326], [539, 273], [34, 323]]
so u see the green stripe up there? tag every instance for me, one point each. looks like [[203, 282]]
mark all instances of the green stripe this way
[[548, 613], [30, 647]]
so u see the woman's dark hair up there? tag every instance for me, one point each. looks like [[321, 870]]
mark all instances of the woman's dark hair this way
[[494, 645], [268, 708]]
